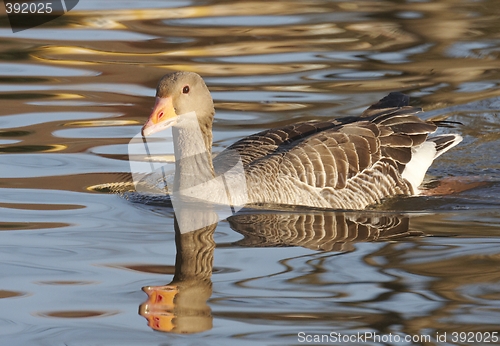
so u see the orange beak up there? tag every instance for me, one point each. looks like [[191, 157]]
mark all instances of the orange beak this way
[[159, 309], [163, 116]]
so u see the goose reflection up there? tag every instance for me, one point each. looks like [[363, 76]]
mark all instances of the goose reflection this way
[[181, 306], [322, 231]]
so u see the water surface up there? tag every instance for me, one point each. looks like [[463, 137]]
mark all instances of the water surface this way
[[75, 261]]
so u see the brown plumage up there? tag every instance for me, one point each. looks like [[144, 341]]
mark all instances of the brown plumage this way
[[346, 163]]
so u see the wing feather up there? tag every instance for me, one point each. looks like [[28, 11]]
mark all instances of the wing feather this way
[[361, 157]]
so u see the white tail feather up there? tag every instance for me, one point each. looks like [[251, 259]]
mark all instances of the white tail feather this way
[[422, 157]]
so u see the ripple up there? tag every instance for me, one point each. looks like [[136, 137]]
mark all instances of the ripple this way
[[40, 206], [31, 119], [232, 21], [477, 86], [37, 70], [271, 96], [72, 34], [102, 123], [125, 89], [66, 283], [98, 132], [11, 294], [409, 15], [146, 268], [75, 103], [17, 226], [117, 151], [77, 313], [8, 141], [113, 188], [49, 165], [125, 5], [32, 148], [476, 50]]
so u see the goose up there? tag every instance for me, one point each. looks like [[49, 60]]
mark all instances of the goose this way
[[344, 163]]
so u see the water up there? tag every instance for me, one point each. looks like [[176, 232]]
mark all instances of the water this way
[[75, 261]]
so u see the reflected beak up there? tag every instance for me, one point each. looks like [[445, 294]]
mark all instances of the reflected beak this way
[[163, 116], [159, 309]]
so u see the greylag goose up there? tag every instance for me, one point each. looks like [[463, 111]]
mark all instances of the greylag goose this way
[[343, 163]]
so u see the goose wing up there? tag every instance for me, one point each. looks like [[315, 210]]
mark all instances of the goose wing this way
[[263, 144]]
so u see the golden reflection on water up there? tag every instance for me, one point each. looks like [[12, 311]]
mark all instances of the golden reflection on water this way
[[232, 9]]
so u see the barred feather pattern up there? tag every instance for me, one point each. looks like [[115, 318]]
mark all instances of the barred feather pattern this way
[[326, 231], [346, 163]]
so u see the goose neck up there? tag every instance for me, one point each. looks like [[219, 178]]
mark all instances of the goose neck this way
[[193, 157]]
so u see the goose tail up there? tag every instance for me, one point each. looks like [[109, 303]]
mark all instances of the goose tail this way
[[424, 154], [444, 142]]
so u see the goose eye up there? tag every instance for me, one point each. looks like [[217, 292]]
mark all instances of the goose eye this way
[[185, 90]]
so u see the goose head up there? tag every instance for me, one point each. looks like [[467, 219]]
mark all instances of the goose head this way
[[177, 94]]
